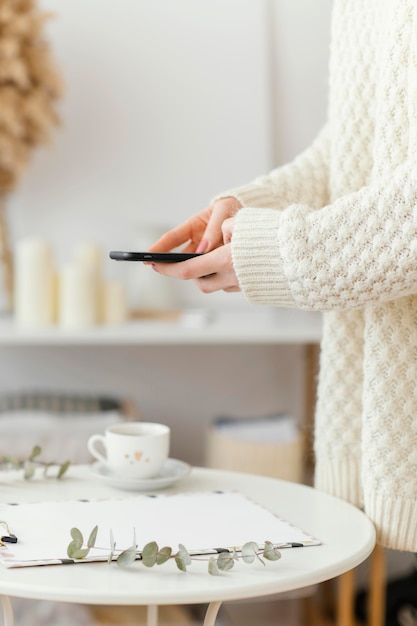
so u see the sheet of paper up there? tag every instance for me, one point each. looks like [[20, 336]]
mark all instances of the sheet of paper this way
[[198, 520]]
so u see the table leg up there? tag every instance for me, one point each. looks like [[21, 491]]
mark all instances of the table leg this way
[[211, 614], [152, 615], [346, 594], [7, 611]]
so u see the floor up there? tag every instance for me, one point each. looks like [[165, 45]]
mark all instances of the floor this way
[[260, 613]]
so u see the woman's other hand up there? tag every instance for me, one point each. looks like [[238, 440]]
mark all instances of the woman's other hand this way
[[201, 232]]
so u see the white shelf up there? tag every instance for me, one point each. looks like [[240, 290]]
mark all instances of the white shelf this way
[[271, 326]]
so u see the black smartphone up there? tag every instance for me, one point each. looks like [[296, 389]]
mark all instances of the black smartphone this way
[[156, 257]]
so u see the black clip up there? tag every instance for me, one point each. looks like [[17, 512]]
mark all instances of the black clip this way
[[10, 538]]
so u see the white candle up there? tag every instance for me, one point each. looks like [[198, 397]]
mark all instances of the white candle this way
[[90, 255], [115, 310], [34, 283], [77, 297]]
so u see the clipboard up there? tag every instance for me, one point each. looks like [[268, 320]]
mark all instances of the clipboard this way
[[203, 522]]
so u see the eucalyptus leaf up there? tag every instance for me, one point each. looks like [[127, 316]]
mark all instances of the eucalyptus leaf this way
[[163, 555], [74, 551], [112, 547], [225, 561], [249, 551], [112, 541], [126, 557], [180, 563], [212, 567], [81, 553], [182, 558], [35, 452], [270, 552], [63, 469], [184, 554], [149, 554], [92, 538], [77, 537], [29, 470], [73, 547]]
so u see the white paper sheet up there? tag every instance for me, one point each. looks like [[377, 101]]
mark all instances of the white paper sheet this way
[[198, 520]]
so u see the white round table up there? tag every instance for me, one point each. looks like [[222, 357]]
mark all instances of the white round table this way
[[347, 535]]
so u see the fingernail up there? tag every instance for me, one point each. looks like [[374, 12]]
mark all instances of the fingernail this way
[[155, 269], [202, 246]]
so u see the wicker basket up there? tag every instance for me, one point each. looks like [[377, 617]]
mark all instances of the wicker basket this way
[[254, 445]]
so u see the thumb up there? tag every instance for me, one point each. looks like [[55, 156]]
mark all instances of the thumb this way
[[227, 230], [213, 234]]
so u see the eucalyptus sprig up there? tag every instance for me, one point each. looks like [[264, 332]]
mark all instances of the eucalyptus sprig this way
[[30, 464], [152, 554]]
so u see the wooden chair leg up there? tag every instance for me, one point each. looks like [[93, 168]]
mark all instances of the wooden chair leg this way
[[346, 599], [377, 587], [345, 615]]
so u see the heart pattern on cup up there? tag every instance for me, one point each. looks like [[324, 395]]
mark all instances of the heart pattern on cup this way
[[137, 456]]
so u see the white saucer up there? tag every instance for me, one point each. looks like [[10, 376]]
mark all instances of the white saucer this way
[[172, 471]]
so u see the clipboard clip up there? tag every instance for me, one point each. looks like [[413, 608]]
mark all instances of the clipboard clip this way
[[9, 538]]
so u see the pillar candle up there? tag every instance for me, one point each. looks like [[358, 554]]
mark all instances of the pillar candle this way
[[77, 297], [115, 310], [34, 283], [89, 255]]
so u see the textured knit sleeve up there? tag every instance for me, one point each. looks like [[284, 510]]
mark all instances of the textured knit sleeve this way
[[303, 180], [360, 249]]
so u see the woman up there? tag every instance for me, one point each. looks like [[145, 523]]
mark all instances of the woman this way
[[336, 231]]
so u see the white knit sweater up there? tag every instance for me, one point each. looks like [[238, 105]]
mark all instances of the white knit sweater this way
[[336, 231]]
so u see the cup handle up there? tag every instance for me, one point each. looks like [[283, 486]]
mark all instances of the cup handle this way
[[92, 448]]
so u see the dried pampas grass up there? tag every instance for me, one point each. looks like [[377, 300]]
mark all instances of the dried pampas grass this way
[[30, 87]]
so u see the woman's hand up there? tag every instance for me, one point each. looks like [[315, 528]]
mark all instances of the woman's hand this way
[[212, 271], [200, 233]]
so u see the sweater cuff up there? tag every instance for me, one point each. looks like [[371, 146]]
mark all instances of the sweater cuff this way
[[257, 260], [395, 520], [340, 478], [250, 195]]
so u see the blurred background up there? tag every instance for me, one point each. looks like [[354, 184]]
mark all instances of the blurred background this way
[[165, 104]]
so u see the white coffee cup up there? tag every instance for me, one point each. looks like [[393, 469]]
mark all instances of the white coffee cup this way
[[133, 449]]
